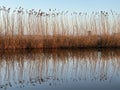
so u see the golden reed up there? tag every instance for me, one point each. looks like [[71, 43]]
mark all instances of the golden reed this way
[[22, 29]]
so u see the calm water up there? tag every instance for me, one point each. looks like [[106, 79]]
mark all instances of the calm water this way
[[60, 69]]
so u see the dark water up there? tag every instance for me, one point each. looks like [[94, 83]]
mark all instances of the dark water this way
[[60, 70]]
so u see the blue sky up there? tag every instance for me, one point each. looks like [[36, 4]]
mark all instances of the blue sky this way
[[72, 5]]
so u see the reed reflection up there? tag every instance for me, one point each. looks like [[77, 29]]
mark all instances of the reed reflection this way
[[24, 68]]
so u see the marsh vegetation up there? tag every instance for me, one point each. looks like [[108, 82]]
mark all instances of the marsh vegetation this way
[[22, 28]]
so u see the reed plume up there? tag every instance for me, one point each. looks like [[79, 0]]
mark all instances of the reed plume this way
[[22, 29]]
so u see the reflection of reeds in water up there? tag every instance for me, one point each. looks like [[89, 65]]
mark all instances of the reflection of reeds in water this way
[[23, 68]]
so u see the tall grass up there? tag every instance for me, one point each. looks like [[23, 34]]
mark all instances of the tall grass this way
[[22, 28]]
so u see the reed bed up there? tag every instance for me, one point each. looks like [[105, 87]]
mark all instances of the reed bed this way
[[22, 29]]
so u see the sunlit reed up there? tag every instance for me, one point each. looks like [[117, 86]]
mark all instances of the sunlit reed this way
[[23, 29]]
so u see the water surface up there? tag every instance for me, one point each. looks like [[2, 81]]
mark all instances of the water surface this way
[[60, 69]]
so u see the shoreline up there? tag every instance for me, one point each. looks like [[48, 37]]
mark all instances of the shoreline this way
[[59, 42]]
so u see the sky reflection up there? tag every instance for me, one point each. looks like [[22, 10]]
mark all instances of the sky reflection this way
[[59, 68]]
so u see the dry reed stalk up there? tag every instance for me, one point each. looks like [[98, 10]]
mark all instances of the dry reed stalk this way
[[37, 29]]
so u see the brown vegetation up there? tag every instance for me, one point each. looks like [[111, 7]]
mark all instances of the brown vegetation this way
[[53, 29]]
